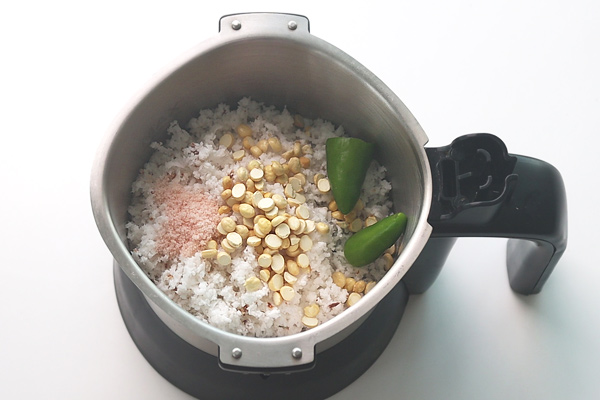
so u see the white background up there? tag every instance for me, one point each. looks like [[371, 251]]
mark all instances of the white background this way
[[527, 71]]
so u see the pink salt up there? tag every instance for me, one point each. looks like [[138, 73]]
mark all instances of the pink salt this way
[[192, 217]]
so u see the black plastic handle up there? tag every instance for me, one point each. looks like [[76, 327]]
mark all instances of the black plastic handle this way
[[481, 190]]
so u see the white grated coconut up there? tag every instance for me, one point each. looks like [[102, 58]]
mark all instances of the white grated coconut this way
[[174, 215]]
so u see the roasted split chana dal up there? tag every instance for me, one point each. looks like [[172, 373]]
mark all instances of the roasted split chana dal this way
[[234, 220]]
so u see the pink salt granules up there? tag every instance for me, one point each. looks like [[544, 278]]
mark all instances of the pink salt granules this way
[[192, 217]]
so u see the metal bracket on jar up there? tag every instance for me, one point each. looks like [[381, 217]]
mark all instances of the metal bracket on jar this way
[[480, 190]]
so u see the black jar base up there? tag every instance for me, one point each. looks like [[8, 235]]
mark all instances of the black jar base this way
[[198, 373]]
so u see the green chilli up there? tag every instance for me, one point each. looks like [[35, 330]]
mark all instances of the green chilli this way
[[348, 160], [366, 245]]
